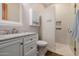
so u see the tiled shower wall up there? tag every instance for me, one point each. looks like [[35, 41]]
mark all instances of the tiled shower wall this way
[[65, 14]]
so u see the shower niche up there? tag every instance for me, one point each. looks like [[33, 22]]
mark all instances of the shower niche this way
[[58, 25]]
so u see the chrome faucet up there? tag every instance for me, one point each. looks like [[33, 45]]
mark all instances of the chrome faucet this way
[[8, 31], [14, 30]]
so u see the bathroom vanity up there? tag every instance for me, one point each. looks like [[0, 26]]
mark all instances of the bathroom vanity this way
[[22, 44]]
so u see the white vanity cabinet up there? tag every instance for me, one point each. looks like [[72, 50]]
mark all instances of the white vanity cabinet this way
[[11, 47], [24, 45]]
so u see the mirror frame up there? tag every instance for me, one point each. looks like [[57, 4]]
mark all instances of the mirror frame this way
[[4, 22]]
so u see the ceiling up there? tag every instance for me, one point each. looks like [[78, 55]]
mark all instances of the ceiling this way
[[46, 4]]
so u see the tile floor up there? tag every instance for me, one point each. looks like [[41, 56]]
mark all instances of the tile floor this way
[[63, 50]]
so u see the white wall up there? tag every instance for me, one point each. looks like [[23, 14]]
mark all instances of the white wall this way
[[36, 7]]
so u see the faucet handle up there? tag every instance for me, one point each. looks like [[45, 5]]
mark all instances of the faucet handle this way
[[14, 30]]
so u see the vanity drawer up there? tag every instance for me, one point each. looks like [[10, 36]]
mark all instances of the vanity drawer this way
[[30, 38], [33, 52], [11, 40], [28, 47]]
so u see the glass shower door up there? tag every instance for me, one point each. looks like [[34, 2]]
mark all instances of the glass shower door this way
[[77, 40]]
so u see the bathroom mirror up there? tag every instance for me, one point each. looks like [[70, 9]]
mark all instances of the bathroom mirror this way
[[11, 12], [34, 17]]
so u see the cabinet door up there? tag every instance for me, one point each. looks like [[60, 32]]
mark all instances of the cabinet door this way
[[11, 48]]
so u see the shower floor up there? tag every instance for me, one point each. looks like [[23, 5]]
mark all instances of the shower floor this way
[[63, 49]]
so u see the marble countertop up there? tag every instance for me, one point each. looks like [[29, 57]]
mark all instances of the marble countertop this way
[[9, 36]]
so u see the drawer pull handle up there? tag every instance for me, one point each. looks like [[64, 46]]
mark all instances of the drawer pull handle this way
[[31, 39], [31, 47], [21, 43]]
